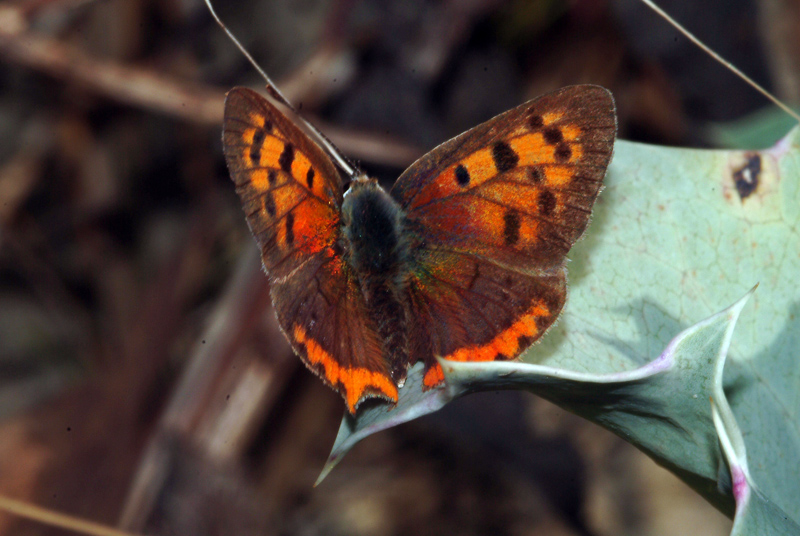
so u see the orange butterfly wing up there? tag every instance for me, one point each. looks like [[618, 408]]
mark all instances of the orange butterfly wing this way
[[494, 212], [292, 196]]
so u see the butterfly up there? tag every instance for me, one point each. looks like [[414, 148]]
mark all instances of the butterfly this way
[[464, 258]]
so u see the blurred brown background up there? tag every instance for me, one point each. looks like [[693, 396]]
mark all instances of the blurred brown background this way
[[144, 382]]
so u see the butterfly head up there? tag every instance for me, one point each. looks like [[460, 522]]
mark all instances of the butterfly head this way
[[360, 181]]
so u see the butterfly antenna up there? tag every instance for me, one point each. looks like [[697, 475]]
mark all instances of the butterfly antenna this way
[[276, 95], [720, 59]]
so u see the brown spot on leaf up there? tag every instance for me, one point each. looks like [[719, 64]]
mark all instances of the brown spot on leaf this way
[[746, 178]]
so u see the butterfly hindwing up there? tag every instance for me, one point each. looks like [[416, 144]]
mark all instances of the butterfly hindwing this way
[[292, 196], [468, 309], [493, 213], [322, 310]]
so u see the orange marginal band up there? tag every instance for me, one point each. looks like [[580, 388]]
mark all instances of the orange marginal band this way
[[356, 381], [509, 343]]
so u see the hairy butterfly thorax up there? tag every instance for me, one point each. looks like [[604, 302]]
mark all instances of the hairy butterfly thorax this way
[[372, 224]]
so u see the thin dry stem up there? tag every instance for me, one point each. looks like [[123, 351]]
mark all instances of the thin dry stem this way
[[56, 519], [780, 104]]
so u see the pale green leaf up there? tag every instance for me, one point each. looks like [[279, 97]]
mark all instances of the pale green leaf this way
[[664, 407], [755, 512]]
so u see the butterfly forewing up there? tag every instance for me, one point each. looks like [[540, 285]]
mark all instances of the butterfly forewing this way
[[292, 205], [493, 213], [519, 188], [292, 196]]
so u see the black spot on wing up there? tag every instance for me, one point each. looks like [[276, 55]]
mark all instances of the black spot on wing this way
[[269, 204], [511, 227], [286, 158], [553, 135], [535, 174], [504, 157], [310, 178], [547, 202], [563, 152], [523, 341], [462, 176], [272, 177], [542, 323], [536, 122], [255, 147]]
